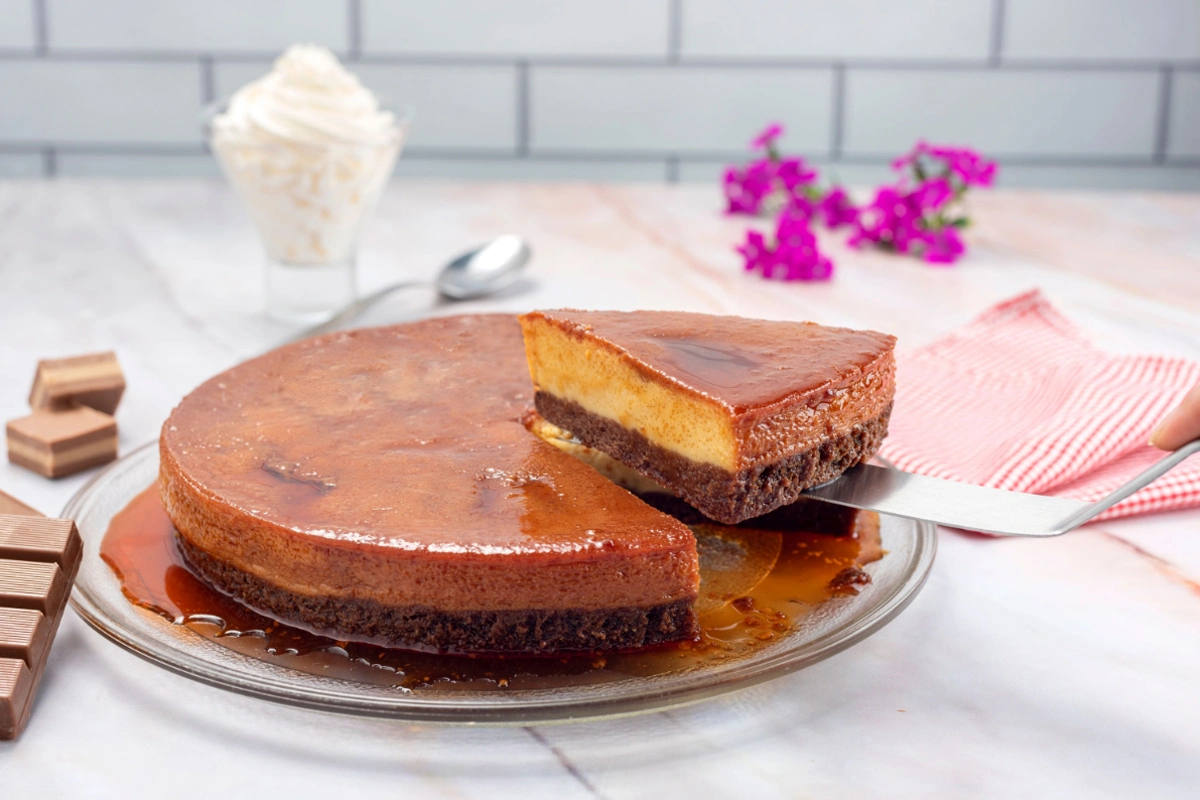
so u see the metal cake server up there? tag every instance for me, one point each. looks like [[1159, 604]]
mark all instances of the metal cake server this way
[[976, 508]]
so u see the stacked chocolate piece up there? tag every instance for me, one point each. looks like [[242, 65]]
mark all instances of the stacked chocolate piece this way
[[39, 558], [71, 427]]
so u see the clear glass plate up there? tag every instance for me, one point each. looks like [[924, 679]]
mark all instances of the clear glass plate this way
[[831, 628]]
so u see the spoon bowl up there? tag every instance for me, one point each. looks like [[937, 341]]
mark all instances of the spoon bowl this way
[[484, 270]]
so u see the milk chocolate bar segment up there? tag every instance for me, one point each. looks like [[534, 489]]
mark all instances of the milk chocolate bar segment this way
[[24, 634], [32, 584], [40, 539], [17, 685], [93, 380]]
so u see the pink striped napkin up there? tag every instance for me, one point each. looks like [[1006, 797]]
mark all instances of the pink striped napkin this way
[[1019, 399]]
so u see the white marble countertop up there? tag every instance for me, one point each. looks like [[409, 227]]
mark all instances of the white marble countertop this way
[[1058, 668]]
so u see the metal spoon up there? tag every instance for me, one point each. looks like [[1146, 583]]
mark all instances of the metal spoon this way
[[476, 273]]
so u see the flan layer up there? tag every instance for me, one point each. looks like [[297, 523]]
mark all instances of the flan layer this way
[[736, 416], [379, 484]]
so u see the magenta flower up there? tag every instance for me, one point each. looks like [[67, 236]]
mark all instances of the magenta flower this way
[[837, 209], [755, 251], [766, 137], [794, 257], [794, 174], [769, 183], [932, 194], [741, 195], [962, 164], [922, 213], [909, 222], [943, 246], [973, 170]]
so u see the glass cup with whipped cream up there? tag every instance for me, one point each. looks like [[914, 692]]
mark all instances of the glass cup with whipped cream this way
[[308, 150]]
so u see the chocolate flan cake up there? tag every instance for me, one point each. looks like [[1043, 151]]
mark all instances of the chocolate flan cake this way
[[379, 485], [735, 416]]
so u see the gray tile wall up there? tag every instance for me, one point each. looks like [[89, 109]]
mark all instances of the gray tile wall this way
[[1063, 92]]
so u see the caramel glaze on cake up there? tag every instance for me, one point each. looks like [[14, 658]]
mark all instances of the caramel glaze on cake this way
[[378, 485], [736, 416]]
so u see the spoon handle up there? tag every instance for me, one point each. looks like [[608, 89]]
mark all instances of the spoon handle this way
[[352, 310]]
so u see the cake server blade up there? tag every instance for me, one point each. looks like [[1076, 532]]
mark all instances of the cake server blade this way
[[976, 508]]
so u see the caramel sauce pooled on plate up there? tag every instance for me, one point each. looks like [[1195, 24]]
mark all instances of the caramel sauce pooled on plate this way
[[756, 585]]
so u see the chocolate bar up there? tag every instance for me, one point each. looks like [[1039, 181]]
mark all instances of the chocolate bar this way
[[11, 505], [94, 380], [39, 559], [57, 443], [38, 538]]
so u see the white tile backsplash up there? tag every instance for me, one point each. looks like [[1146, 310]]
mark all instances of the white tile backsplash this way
[[677, 109], [107, 101], [1068, 92], [1184, 139], [1146, 30], [16, 25], [846, 29], [191, 26], [472, 107], [517, 27], [456, 106], [1088, 113], [21, 165], [143, 165]]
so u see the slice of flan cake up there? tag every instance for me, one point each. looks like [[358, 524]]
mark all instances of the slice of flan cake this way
[[736, 416]]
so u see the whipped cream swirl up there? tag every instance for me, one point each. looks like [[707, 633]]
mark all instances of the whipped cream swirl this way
[[307, 98], [308, 150]]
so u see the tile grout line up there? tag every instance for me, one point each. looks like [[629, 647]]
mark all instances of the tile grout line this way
[[621, 62], [996, 37], [838, 114], [1162, 123], [41, 28], [353, 30], [523, 118], [674, 31], [598, 156], [208, 80]]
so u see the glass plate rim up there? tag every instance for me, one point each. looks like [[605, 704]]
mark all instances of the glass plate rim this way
[[560, 706]]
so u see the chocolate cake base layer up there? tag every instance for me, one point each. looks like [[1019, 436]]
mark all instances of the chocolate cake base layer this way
[[425, 628], [803, 516], [717, 493]]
